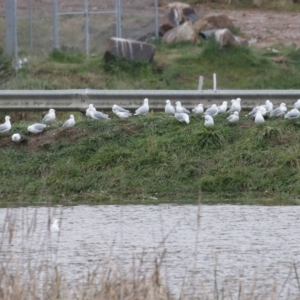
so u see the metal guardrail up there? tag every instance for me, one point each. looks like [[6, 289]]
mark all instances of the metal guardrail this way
[[72, 100]]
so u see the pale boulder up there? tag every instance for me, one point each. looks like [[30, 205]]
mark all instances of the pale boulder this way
[[184, 32], [225, 38], [213, 21], [178, 13]]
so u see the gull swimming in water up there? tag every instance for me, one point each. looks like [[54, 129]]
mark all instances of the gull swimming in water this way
[[143, 110], [16, 137], [182, 117], [212, 111], [36, 127], [70, 122], [198, 110], [49, 117], [6, 126], [209, 121], [180, 108], [292, 114], [279, 111], [169, 108], [234, 117], [54, 227], [116, 108], [222, 108], [90, 108]]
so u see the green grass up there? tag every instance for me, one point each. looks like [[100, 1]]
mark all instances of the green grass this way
[[152, 157], [175, 67], [156, 157]]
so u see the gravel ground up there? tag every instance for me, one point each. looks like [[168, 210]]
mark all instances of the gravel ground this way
[[263, 28]]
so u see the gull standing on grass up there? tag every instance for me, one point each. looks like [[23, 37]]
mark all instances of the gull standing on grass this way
[[209, 121], [169, 108], [123, 114], [292, 114], [143, 110], [268, 106], [279, 111], [180, 108], [49, 117], [234, 118], [235, 106], [6, 126], [36, 127], [54, 227], [212, 111], [98, 115], [198, 110], [222, 108], [116, 108], [254, 111], [16, 137], [87, 111], [297, 104], [182, 117], [259, 119], [70, 122]]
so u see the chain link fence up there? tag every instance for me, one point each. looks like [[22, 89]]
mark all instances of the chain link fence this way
[[35, 24]]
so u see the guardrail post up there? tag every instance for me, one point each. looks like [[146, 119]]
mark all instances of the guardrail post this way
[[200, 84], [215, 82]]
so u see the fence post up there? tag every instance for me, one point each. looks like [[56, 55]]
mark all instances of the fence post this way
[[30, 23], [156, 18], [118, 18], [55, 24], [16, 64], [10, 24], [86, 27]]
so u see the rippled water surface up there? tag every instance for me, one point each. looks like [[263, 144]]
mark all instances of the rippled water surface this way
[[250, 245]]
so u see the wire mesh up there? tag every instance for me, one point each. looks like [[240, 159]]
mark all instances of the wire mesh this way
[[35, 24]]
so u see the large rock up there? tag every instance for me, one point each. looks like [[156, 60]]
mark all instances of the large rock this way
[[225, 38], [164, 28], [184, 32], [178, 13], [213, 21], [129, 49]]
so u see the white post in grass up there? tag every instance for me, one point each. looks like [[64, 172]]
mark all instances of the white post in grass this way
[[215, 82], [200, 84]]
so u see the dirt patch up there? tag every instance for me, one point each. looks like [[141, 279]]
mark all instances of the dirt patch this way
[[33, 143], [264, 29]]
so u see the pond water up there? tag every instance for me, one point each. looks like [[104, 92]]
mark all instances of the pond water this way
[[254, 247]]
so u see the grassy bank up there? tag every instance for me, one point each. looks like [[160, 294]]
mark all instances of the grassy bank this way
[[154, 158], [175, 67]]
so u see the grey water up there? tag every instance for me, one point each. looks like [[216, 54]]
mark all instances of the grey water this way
[[255, 247]]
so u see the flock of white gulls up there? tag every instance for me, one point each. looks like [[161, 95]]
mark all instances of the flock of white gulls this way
[[179, 112]]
